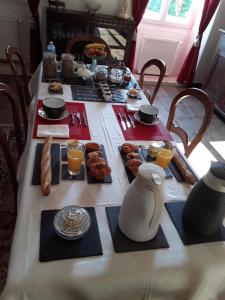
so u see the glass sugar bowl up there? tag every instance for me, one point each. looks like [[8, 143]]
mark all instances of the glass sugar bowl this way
[[67, 66], [49, 66], [116, 76], [153, 149]]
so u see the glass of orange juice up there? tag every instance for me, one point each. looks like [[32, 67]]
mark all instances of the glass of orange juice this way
[[164, 157], [75, 156]]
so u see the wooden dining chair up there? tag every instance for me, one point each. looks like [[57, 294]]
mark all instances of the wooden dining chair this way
[[76, 45], [21, 81], [11, 148], [160, 64], [208, 106]]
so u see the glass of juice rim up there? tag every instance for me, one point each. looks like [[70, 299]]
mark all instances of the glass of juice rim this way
[[75, 156]]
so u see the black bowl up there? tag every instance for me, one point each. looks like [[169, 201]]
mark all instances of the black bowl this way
[[148, 113], [54, 107]]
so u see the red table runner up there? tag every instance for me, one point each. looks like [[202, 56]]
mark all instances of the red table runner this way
[[76, 132], [141, 132]]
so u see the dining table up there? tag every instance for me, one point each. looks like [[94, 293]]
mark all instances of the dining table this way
[[103, 271]]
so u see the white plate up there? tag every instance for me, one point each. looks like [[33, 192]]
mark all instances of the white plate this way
[[43, 115], [137, 118]]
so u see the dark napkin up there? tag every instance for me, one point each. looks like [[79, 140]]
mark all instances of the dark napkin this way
[[150, 159], [53, 247], [55, 164], [123, 244], [67, 176], [92, 179], [175, 210]]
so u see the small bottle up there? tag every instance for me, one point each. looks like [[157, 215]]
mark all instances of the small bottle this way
[[51, 47]]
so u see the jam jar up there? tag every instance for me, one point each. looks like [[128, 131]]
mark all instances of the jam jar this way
[[101, 74], [116, 76], [153, 149]]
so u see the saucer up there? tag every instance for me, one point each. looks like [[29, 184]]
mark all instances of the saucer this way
[[43, 115], [137, 118]]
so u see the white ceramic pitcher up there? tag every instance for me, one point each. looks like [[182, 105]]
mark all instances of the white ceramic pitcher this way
[[141, 210]]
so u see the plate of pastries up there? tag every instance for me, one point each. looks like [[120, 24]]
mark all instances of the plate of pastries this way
[[96, 162], [132, 159]]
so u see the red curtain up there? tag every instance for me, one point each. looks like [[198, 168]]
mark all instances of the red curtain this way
[[187, 72], [138, 9], [35, 41]]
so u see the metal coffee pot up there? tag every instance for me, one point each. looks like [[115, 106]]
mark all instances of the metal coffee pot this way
[[140, 213], [205, 207]]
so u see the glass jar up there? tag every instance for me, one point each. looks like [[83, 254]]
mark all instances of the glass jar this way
[[127, 77], [101, 74], [116, 75], [153, 149], [67, 66], [75, 156], [49, 66]]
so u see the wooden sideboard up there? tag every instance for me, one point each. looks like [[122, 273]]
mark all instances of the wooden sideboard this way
[[62, 25], [215, 81]]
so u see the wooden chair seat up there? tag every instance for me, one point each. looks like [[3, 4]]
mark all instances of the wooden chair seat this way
[[160, 64], [201, 96], [77, 44]]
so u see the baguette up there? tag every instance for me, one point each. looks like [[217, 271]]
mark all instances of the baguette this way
[[188, 176], [46, 172]]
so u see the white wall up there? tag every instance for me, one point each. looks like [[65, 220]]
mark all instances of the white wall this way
[[210, 42]]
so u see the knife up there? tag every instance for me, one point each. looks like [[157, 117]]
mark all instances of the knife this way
[[84, 119], [72, 118], [131, 121], [127, 122], [122, 121], [78, 118]]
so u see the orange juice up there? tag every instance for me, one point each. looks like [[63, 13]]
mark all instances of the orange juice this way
[[164, 157], [75, 158]]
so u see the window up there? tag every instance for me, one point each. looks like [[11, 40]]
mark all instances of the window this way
[[171, 12]]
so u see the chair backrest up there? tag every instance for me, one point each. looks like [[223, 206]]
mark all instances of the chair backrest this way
[[208, 105], [22, 86], [8, 92], [77, 44], [56, 4], [160, 64]]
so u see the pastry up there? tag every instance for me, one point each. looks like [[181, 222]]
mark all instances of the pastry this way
[[46, 172], [133, 155], [94, 160], [90, 147], [55, 86], [133, 92], [100, 170], [95, 154], [133, 165], [127, 148]]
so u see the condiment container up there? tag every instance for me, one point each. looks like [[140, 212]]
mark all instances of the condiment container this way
[[49, 65], [67, 66], [153, 149]]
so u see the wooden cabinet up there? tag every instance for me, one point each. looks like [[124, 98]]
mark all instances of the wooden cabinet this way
[[62, 25], [215, 82]]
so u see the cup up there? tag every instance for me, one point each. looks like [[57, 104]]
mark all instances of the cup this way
[[75, 156], [164, 157]]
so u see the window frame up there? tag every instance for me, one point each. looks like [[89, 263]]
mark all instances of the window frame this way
[[164, 12]]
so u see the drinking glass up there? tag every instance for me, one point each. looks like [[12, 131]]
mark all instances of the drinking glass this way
[[75, 156], [164, 157]]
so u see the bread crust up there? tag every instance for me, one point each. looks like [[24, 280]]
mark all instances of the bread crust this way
[[46, 172]]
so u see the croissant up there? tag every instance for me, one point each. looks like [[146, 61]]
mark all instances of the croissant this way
[[46, 172], [100, 170], [95, 154], [133, 165], [127, 148], [133, 155], [92, 147], [94, 160]]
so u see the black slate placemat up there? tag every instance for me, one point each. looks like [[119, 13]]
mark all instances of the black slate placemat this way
[[130, 175], [123, 244], [55, 164], [72, 81], [175, 210], [53, 247], [150, 159], [67, 176], [92, 179], [94, 94]]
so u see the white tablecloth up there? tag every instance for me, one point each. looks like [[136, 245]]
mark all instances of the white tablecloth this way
[[179, 272]]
